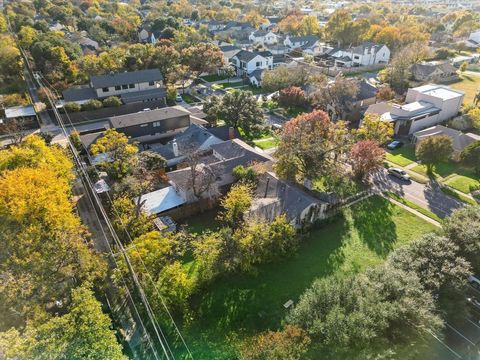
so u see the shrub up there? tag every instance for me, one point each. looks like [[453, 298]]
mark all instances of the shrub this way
[[470, 156], [291, 96], [72, 107], [92, 105], [112, 101]]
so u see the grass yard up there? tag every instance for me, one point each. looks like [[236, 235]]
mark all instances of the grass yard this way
[[213, 77], [463, 183], [412, 205], [442, 169], [189, 99], [227, 85], [243, 304], [468, 83], [403, 156], [267, 143]]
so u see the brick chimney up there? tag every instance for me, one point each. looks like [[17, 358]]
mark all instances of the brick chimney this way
[[231, 133]]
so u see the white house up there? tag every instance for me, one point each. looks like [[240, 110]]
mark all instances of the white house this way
[[246, 62], [474, 39], [425, 106], [365, 54], [263, 37]]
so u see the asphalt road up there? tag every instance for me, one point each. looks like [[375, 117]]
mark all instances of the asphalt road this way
[[428, 196]]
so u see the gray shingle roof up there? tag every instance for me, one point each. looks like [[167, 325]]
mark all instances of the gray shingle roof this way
[[135, 96], [132, 77], [244, 55], [79, 94], [144, 117], [369, 46]]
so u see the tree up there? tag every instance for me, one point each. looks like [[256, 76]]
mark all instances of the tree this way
[[11, 64], [309, 26], [165, 58], [463, 67], [241, 109], [373, 128], [463, 228], [84, 332], [434, 149], [291, 96], [474, 116], [181, 73], [92, 105], [112, 101], [470, 156], [203, 57], [3, 24], [212, 107], [307, 146], [330, 97], [283, 77], [121, 155], [27, 36], [291, 343], [385, 93], [70, 107], [339, 27], [246, 175], [235, 205], [366, 156], [228, 71], [254, 19], [290, 24]]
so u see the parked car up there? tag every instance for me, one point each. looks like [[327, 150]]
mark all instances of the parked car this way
[[395, 145], [178, 98], [474, 281], [474, 303], [399, 173]]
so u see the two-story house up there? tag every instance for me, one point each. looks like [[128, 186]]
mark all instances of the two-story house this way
[[263, 37], [309, 44], [366, 54], [246, 62]]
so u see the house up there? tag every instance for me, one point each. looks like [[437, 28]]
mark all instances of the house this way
[[263, 37], [143, 36], [366, 96], [133, 86], [229, 51], [309, 44], [195, 138], [23, 116], [255, 77], [274, 197], [366, 54], [425, 106], [474, 39], [433, 72], [215, 171], [246, 62], [459, 140]]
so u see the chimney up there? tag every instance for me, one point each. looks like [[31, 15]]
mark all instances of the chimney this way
[[175, 148], [231, 133]]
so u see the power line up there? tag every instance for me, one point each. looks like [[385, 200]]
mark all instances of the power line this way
[[129, 236]]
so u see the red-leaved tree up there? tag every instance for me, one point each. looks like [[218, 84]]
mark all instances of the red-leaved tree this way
[[365, 156], [291, 96]]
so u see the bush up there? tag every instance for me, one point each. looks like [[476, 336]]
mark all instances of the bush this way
[[112, 101], [72, 107], [470, 156], [461, 123], [92, 105], [291, 96]]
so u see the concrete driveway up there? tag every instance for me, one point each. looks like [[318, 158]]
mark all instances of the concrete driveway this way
[[428, 196]]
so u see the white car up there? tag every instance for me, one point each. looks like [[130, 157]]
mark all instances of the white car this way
[[474, 281], [178, 98], [399, 173]]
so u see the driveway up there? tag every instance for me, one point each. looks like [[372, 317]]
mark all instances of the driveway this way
[[428, 196]]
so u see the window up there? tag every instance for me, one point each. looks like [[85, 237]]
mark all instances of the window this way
[[124, 87], [144, 125], [105, 89], [156, 124], [356, 57], [131, 86], [259, 63], [118, 87], [151, 83]]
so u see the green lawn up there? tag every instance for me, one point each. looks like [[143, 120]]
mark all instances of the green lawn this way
[[468, 83], [403, 156], [202, 222], [266, 143], [228, 85], [442, 169], [463, 183], [244, 304], [189, 99], [213, 77], [412, 205]]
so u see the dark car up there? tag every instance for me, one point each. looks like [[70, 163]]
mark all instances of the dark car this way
[[395, 145]]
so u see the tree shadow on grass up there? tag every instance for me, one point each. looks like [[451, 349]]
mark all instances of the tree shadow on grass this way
[[373, 222], [248, 303]]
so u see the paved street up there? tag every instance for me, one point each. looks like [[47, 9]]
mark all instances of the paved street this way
[[428, 196]]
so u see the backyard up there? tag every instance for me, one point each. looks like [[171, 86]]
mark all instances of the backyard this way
[[468, 83], [240, 305]]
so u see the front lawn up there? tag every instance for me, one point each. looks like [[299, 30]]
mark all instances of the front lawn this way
[[468, 83], [463, 183], [267, 143], [228, 85], [189, 99], [441, 169], [244, 304], [403, 156], [213, 77]]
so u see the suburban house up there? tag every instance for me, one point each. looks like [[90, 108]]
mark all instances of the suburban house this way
[[229, 51], [274, 197], [366, 54], [134, 86], [256, 77], [246, 62], [459, 140], [425, 106], [433, 72], [310, 44], [263, 37], [474, 39], [366, 96], [144, 126], [213, 176], [23, 116]]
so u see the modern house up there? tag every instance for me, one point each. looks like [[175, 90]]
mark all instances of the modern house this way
[[425, 106], [134, 86], [459, 140], [246, 62], [433, 72], [263, 37], [366, 54]]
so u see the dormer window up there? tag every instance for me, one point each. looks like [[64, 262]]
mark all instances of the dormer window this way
[[118, 87], [151, 83], [105, 89], [125, 87], [131, 86]]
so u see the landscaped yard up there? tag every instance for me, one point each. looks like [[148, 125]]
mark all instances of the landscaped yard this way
[[468, 83], [463, 183], [403, 156], [213, 77], [189, 99], [228, 85], [267, 143], [244, 304]]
